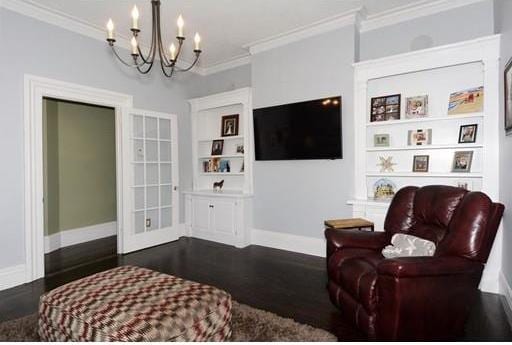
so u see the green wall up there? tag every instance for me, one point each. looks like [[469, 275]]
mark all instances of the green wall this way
[[80, 165]]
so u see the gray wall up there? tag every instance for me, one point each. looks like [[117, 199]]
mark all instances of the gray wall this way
[[296, 196], [460, 24], [34, 47], [235, 78], [504, 26]]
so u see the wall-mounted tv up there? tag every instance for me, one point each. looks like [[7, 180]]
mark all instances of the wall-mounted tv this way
[[303, 130]]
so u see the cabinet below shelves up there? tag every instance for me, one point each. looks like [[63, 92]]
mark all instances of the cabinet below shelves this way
[[218, 217]]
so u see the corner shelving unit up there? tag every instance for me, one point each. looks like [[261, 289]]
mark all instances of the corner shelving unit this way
[[436, 72], [223, 216]]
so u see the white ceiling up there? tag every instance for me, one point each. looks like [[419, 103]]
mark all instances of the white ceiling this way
[[226, 26]]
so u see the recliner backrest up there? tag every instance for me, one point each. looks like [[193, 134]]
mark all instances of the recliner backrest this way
[[461, 223]]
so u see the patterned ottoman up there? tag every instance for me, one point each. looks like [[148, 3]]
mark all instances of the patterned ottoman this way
[[134, 304]]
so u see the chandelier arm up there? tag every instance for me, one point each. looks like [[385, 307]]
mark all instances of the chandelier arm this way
[[191, 66], [161, 51], [123, 61]]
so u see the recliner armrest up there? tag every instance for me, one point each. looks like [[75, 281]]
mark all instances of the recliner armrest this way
[[427, 266], [337, 239]]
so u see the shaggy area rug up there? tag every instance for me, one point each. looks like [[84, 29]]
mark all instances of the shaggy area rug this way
[[249, 324]]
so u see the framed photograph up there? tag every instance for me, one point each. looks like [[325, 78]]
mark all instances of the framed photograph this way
[[467, 133], [240, 148], [217, 147], [384, 189], [464, 184], [508, 97], [213, 165], [229, 125], [420, 163], [466, 101], [462, 161], [416, 106], [381, 140], [385, 108], [419, 137]]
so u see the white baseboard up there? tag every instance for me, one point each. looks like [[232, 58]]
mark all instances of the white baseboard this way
[[293, 243], [13, 276], [507, 292], [70, 237]]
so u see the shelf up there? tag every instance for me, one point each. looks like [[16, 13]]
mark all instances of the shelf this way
[[223, 173], [221, 193], [234, 137], [152, 139], [418, 174], [425, 147], [425, 119], [223, 156]]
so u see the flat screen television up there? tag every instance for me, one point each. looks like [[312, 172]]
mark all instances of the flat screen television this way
[[303, 130]]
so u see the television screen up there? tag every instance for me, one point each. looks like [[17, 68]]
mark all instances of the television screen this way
[[304, 130]]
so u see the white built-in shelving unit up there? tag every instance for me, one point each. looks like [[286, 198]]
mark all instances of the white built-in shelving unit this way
[[436, 72], [223, 216]]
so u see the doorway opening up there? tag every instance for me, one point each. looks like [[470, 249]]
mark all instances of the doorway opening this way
[[79, 183]]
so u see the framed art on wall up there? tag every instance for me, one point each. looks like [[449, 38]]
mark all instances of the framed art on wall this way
[[381, 140], [508, 97]]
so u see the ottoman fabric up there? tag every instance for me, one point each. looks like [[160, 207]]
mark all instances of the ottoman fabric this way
[[134, 304]]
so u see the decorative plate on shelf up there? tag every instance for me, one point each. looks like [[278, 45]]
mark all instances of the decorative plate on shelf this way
[[384, 189]]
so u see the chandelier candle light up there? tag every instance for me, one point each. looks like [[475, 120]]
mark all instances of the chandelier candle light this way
[[167, 61]]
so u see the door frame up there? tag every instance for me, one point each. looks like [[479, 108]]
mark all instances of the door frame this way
[[35, 89]]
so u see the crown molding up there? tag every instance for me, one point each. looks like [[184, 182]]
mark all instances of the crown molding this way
[[357, 17], [306, 31], [412, 11], [227, 65]]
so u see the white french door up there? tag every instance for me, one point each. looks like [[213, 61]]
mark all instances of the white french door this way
[[150, 207]]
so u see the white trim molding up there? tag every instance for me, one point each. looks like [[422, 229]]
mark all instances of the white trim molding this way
[[294, 243], [300, 33], [12, 276], [412, 11], [35, 89], [71, 237], [506, 291], [355, 17]]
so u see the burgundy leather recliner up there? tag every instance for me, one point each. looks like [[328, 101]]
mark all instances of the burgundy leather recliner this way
[[415, 298]]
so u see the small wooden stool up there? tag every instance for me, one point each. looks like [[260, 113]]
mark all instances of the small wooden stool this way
[[349, 223]]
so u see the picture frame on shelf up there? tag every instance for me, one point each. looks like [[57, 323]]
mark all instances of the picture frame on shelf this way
[[240, 148], [213, 165], [419, 137], [381, 140], [467, 133], [508, 97], [420, 163], [416, 107], [384, 189], [217, 147], [465, 184], [466, 101], [462, 161], [229, 125], [385, 108]]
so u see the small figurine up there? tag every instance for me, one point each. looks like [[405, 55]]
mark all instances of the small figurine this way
[[217, 186]]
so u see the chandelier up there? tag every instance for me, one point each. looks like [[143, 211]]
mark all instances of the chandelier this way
[[144, 63]]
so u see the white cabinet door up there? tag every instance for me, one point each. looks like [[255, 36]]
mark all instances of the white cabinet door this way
[[201, 214], [224, 220], [149, 210]]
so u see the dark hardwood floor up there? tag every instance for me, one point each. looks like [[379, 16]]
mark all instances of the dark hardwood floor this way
[[288, 284]]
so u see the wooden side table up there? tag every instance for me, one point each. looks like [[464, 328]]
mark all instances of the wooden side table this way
[[349, 223]]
